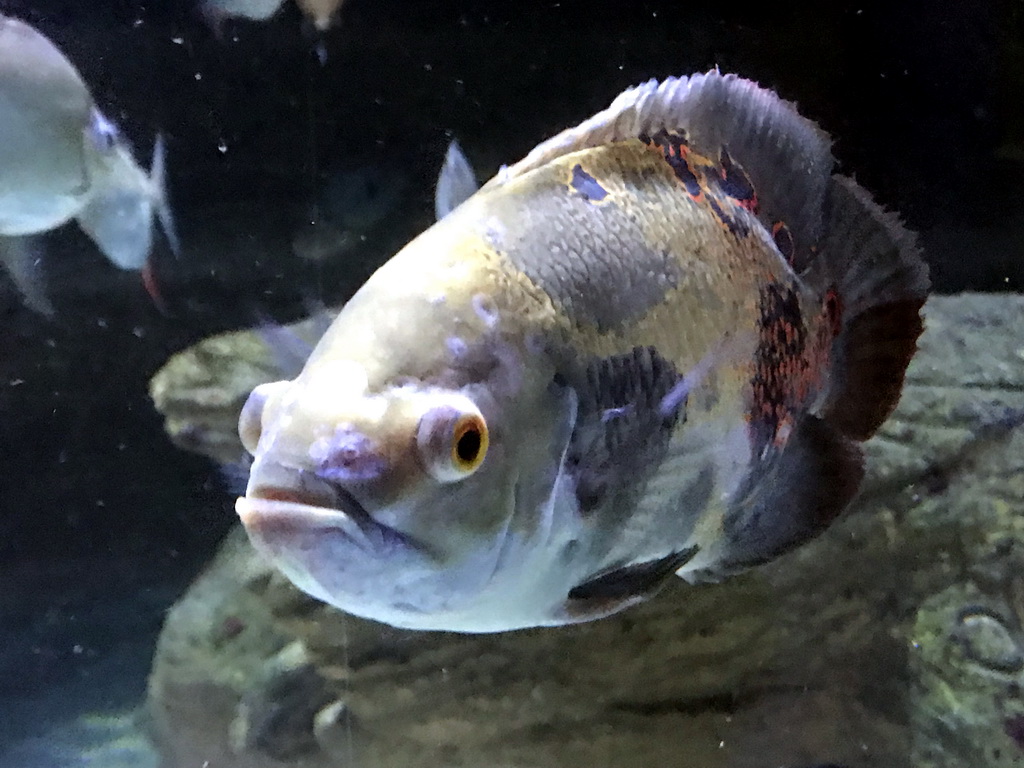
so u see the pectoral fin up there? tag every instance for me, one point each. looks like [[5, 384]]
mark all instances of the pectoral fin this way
[[455, 183], [21, 259], [611, 591]]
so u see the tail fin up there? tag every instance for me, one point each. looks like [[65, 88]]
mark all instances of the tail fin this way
[[158, 178], [882, 282]]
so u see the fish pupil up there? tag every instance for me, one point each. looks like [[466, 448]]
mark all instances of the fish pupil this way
[[468, 446]]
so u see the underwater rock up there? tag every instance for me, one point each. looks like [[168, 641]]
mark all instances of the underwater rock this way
[[201, 391], [967, 661], [893, 640]]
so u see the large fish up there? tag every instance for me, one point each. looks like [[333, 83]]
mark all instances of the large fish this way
[[62, 159], [651, 347]]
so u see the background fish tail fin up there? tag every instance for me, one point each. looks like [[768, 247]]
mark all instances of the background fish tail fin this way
[[20, 258], [158, 178], [880, 282], [802, 491]]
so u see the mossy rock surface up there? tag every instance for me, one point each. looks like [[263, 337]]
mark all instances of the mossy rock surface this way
[[893, 640]]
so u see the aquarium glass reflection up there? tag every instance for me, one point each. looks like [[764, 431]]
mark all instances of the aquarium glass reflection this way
[[476, 383]]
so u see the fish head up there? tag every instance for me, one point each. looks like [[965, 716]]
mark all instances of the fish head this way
[[411, 472], [119, 214]]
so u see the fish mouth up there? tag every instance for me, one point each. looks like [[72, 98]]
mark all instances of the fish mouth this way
[[274, 514]]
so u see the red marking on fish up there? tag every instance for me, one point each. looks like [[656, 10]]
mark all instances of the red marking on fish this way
[[152, 288], [790, 362]]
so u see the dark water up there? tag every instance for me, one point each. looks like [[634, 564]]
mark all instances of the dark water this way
[[103, 522]]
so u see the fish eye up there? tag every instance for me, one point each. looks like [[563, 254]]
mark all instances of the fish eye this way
[[452, 440], [109, 138], [469, 442], [103, 132], [250, 420]]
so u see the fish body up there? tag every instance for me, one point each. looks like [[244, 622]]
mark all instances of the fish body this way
[[651, 347], [45, 165], [62, 159]]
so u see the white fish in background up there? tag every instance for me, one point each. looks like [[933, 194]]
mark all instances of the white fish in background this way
[[455, 183], [62, 159]]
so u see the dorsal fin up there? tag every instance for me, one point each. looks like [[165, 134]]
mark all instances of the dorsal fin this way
[[730, 121]]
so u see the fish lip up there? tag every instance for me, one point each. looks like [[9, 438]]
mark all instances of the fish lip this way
[[273, 510]]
